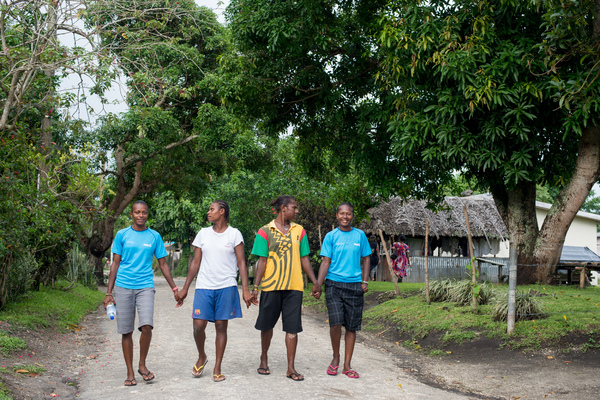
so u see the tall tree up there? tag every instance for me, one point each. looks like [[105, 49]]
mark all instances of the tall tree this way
[[176, 132], [428, 88], [477, 97]]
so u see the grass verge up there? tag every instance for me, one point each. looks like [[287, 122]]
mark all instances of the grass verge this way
[[572, 322], [52, 307]]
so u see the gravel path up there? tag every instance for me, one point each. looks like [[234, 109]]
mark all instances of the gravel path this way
[[173, 353]]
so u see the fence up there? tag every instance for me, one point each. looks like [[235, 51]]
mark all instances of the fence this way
[[454, 268]]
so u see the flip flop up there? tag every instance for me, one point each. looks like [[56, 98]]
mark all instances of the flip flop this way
[[218, 378], [332, 370], [130, 382], [146, 375], [351, 374], [198, 371], [264, 371], [295, 377]]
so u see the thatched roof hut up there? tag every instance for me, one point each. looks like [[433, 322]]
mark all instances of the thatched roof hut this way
[[407, 217]]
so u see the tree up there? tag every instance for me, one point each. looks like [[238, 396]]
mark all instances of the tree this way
[[477, 97], [409, 92], [176, 133]]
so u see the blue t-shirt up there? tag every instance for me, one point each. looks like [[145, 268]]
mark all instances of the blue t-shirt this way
[[136, 249], [345, 250]]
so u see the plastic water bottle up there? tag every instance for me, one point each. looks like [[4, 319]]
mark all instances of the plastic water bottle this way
[[111, 310]]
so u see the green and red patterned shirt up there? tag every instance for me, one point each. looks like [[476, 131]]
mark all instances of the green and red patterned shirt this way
[[283, 252]]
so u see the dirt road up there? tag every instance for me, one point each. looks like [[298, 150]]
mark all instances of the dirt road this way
[[173, 353]]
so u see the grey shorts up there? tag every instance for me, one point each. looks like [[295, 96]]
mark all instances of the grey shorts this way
[[127, 301]]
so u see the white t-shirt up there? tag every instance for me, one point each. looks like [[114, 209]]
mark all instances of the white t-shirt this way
[[218, 268]]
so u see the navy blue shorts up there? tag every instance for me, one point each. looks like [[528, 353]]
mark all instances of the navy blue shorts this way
[[345, 303], [287, 303], [217, 304]]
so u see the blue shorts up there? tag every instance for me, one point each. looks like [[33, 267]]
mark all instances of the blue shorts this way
[[217, 304]]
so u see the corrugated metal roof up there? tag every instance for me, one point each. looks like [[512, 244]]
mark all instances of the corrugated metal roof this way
[[578, 254]]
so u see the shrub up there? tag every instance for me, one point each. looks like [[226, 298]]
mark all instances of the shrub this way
[[527, 308], [79, 267], [439, 291], [461, 293]]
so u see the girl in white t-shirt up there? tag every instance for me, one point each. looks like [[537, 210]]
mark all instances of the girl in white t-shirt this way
[[218, 255]]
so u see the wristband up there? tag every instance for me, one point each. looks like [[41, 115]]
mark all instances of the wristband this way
[[109, 294], [365, 282], [175, 288]]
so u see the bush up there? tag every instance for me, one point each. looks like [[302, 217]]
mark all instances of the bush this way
[[527, 308], [460, 292], [79, 267], [439, 291], [20, 274]]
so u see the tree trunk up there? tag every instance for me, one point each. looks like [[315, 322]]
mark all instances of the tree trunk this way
[[570, 199], [538, 251], [517, 209]]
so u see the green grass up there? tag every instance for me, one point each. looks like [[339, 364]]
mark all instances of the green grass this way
[[52, 307], [570, 311], [4, 392], [10, 344]]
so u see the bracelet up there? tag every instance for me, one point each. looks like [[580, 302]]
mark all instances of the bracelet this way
[[175, 288], [365, 282], [109, 294]]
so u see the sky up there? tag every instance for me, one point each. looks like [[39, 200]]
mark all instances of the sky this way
[[116, 95]]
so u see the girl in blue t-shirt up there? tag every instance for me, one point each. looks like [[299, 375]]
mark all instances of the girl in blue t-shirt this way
[[345, 271], [131, 285]]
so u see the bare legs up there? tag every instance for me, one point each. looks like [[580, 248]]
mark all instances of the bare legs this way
[[291, 344], [220, 342], [350, 339], [127, 344]]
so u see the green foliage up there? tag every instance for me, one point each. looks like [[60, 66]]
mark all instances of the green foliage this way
[[31, 369], [569, 311], [527, 308], [439, 290], [10, 344], [79, 267], [4, 392], [52, 307], [460, 292]]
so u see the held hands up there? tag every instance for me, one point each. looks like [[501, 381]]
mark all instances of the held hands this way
[[249, 299], [316, 291], [180, 295]]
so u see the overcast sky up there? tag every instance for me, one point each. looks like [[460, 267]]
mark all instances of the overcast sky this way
[[116, 94]]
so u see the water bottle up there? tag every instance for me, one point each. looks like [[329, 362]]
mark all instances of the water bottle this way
[[111, 310]]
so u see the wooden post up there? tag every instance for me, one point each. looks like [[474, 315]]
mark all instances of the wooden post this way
[[471, 253], [512, 289], [387, 254], [582, 278], [427, 262]]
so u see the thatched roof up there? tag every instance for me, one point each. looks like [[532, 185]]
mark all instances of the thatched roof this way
[[407, 217]]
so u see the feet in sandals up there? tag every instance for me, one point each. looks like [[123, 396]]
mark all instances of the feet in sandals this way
[[295, 377], [148, 376], [198, 371]]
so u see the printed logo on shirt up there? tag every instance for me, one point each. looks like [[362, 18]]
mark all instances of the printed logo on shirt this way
[[130, 242], [357, 244], [147, 245]]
